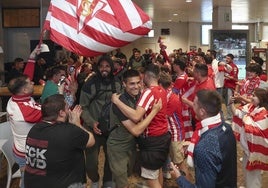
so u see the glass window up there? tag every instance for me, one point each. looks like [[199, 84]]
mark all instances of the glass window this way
[[205, 34]]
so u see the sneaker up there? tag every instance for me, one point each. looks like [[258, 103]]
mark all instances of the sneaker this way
[[94, 185]]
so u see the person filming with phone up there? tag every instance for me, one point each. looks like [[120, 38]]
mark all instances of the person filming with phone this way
[[58, 83]]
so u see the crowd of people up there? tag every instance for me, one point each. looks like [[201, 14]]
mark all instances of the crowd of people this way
[[158, 111]]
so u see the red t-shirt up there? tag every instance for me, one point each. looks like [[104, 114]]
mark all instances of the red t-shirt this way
[[174, 115], [234, 73], [207, 84], [210, 72], [158, 125], [180, 84]]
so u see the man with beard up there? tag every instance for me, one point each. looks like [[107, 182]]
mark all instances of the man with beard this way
[[95, 93], [137, 61], [23, 113]]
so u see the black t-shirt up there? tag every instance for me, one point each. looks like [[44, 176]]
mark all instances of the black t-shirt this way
[[54, 156]]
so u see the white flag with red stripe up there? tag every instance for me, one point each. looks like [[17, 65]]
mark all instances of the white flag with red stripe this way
[[93, 27]]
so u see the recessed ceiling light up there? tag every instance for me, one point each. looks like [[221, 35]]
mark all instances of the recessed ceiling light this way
[[170, 20], [175, 14], [188, 1]]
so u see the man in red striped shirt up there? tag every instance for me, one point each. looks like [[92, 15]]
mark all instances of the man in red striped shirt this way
[[230, 80], [23, 113], [201, 81], [154, 141]]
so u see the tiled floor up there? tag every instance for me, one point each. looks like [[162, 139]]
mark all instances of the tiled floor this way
[[137, 182]]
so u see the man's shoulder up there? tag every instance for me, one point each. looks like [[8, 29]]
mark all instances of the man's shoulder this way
[[219, 133], [90, 82], [233, 65]]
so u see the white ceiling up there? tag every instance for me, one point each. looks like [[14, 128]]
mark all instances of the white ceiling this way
[[243, 11]]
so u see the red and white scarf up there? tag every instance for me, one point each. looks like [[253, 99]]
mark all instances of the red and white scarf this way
[[249, 86], [201, 128]]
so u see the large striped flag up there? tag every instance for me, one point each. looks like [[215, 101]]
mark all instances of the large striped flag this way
[[93, 27]]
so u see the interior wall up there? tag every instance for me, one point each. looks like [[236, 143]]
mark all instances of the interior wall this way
[[16, 41], [178, 38], [2, 45]]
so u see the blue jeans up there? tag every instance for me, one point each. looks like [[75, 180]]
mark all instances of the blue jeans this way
[[220, 91], [21, 161], [229, 93]]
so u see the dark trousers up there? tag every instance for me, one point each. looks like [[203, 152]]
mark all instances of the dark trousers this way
[[92, 160]]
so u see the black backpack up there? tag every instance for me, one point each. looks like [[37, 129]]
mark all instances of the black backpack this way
[[104, 118]]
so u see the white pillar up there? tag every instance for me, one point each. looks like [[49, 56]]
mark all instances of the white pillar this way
[[222, 17]]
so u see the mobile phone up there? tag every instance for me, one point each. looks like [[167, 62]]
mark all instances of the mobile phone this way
[[61, 81], [71, 69]]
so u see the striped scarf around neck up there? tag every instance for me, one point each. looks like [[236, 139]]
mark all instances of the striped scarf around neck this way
[[201, 127]]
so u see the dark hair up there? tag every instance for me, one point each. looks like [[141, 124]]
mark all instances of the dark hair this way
[[74, 56], [51, 107], [134, 49], [165, 68], [153, 70], [201, 54], [208, 59], [213, 53], [160, 60], [17, 60], [129, 74], [262, 95], [209, 100], [201, 68], [141, 70], [108, 59], [258, 60], [230, 55], [16, 84], [50, 72], [254, 67], [118, 60], [180, 63], [165, 79], [138, 51]]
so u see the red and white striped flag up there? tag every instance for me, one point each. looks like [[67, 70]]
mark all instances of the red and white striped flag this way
[[93, 27]]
